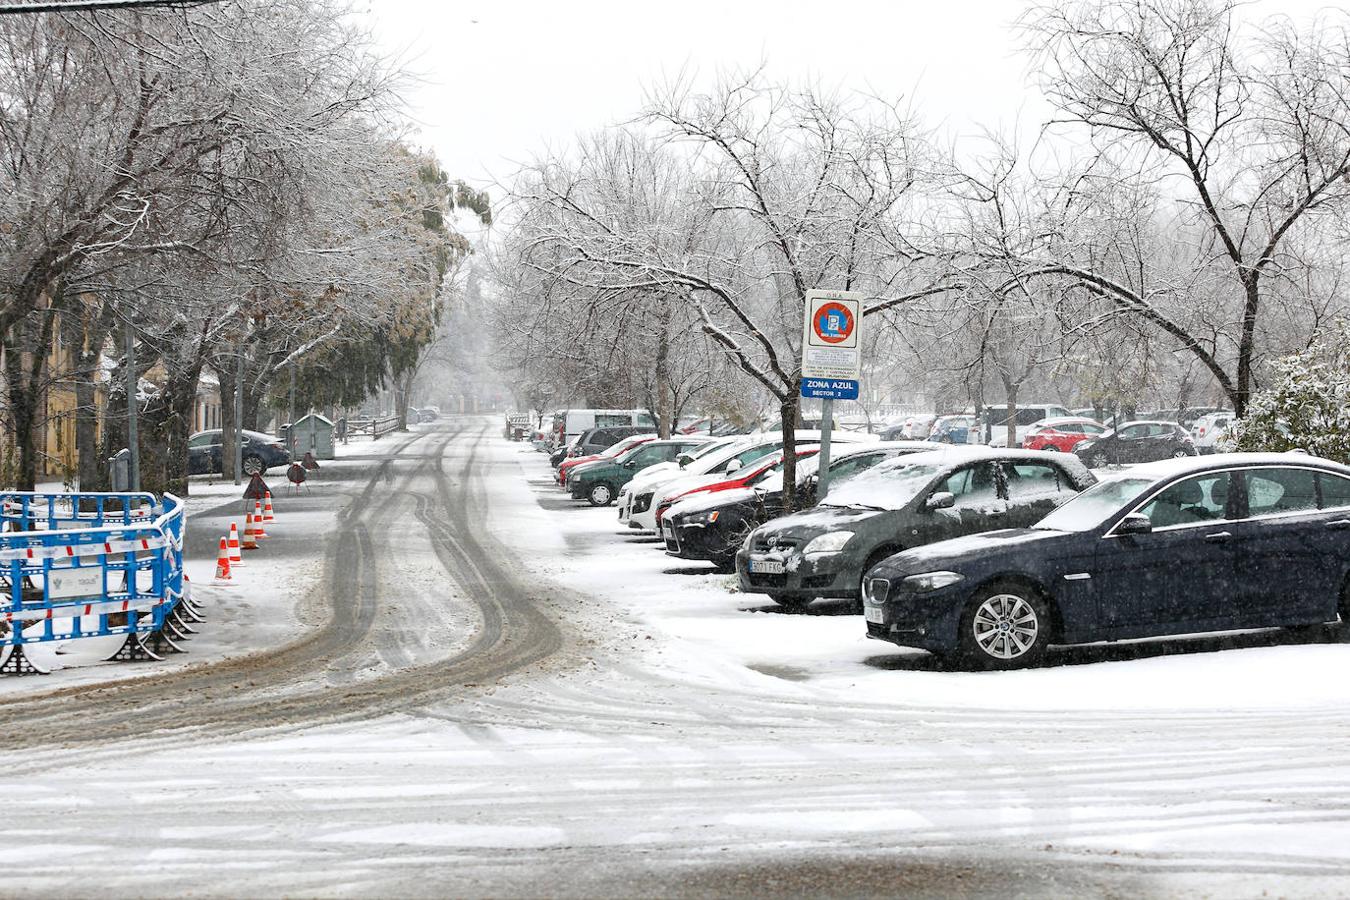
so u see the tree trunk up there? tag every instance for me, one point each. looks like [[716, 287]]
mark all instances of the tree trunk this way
[[402, 394], [1012, 388], [229, 427], [1247, 344], [662, 376], [167, 423], [787, 417], [25, 369]]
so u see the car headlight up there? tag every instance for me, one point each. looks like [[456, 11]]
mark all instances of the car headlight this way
[[830, 542], [710, 517], [931, 581]]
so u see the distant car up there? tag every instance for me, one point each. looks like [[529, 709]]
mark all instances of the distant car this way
[[902, 503], [713, 526], [597, 440], [917, 428], [619, 447], [1231, 541], [747, 476], [955, 429], [1136, 442], [643, 506], [261, 452], [1027, 414], [599, 482], [1062, 434], [1210, 428]]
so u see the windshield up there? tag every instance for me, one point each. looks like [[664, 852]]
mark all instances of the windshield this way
[[888, 488], [704, 449], [773, 460], [1095, 505]]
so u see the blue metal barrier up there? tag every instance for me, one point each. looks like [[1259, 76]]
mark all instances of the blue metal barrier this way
[[90, 565]]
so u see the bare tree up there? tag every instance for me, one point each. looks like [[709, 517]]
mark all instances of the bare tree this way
[[1247, 133]]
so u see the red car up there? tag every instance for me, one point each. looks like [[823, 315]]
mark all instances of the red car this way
[[743, 477], [1062, 434], [627, 443]]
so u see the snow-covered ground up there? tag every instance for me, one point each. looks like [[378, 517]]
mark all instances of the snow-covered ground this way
[[655, 733]]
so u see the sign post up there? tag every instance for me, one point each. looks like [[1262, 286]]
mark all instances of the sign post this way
[[831, 360]]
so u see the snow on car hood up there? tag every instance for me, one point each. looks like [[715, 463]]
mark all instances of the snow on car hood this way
[[684, 483], [934, 557], [809, 523], [712, 500]]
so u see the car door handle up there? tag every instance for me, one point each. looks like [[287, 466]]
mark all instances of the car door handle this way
[[1218, 537], [1339, 524]]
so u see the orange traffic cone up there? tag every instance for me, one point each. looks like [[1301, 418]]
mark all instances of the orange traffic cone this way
[[250, 536], [223, 564], [258, 531], [235, 558], [267, 507]]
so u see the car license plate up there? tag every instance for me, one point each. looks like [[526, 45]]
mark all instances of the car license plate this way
[[767, 567], [875, 614]]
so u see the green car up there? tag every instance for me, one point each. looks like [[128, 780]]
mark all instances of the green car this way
[[897, 505], [599, 482]]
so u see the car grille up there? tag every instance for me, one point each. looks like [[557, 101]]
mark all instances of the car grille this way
[[762, 544], [760, 580], [672, 538], [877, 590], [642, 503], [877, 629]]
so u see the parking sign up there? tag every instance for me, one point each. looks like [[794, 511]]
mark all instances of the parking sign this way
[[832, 345]]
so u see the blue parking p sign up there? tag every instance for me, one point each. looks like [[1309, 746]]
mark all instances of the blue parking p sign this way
[[830, 388]]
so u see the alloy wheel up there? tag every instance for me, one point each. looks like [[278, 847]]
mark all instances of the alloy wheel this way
[[1005, 626]]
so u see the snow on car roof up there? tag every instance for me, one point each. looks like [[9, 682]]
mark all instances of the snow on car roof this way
[[1069, 420], [1169, 468]]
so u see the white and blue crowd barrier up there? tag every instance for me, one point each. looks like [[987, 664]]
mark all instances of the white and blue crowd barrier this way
[[83, 565]]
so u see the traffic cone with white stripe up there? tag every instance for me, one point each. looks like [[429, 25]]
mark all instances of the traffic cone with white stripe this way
[[236, 558], [223, 564], [259, 533], [267, 507], [250, 541]]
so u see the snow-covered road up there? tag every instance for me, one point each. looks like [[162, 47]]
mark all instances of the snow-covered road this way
[[489, 690]]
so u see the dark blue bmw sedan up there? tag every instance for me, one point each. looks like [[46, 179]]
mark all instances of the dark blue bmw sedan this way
[[1206, 544]]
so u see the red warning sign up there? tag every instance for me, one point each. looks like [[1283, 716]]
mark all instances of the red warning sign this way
[[833, 322]]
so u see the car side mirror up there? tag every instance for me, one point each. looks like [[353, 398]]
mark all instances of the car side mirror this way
[[684, 459], [1135, 523], [631, 464], [732, 466], [941, 500]]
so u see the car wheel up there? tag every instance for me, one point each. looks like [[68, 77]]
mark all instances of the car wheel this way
[[789, 602], [1006, 626], [254, 465], [600, 494]]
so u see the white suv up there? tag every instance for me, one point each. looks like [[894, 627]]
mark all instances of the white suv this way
[[1210, 428]]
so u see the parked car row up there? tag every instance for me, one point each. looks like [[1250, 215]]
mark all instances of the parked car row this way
[[989, 556]]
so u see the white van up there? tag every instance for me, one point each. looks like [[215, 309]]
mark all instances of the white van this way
[[1028, 414], [568, 424]]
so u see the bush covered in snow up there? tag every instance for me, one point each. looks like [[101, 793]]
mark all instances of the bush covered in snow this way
[[1307, 406]]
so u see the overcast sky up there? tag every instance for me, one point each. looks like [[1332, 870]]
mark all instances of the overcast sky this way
[[505, 79]]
